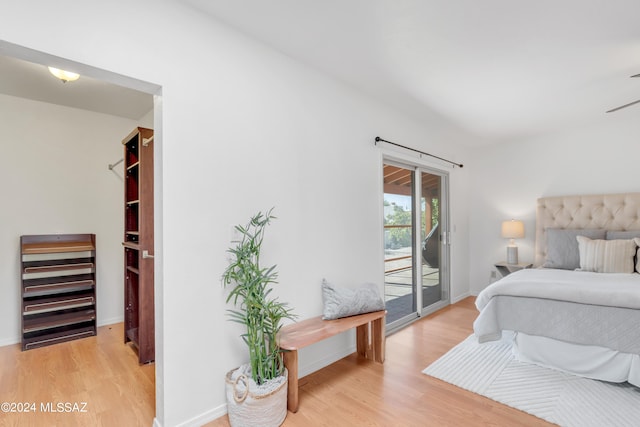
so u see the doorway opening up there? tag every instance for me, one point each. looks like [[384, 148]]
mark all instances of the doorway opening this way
[[65, 167]]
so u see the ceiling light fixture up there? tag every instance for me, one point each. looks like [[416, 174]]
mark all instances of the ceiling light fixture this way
[[65, 76]]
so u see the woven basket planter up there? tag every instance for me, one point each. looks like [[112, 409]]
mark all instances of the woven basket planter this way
[[250, 405]]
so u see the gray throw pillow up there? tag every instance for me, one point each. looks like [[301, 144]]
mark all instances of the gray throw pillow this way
[[622, 235], [562, 247], [342, 301]]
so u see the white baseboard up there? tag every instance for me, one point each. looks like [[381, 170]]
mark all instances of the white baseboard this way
[[10, 341], [303, 371], [221, 410], [111, 321], [460, 297], [201, 419]]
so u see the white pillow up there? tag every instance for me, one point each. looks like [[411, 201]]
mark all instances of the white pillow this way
[[606, 256]]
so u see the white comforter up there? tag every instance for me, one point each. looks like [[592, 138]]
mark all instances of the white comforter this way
[[579, 322], [606, 289], [577, 307]]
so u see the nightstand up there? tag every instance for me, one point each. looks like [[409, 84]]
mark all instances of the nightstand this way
[[505, 269]]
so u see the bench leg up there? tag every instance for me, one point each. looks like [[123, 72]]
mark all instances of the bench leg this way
[[378, 339], [291, 363], [362, 340], [375, 350]]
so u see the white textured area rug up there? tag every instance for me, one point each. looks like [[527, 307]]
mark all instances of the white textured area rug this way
[[490, 369]]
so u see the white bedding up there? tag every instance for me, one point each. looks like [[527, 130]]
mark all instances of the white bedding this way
[[580, 322], [588, 361], [605, 289]]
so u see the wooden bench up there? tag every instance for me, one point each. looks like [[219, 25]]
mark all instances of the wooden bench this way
[[370, 341]]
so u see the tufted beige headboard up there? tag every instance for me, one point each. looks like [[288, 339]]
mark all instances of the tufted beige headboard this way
[[607, 211]]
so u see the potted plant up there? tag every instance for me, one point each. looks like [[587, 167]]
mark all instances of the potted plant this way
[[256, 393]]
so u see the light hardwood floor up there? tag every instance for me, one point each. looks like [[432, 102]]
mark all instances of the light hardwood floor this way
[[100, 371], [104, 373], [358, 392]]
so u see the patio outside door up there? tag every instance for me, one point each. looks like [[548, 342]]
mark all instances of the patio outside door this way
[[415, 255]]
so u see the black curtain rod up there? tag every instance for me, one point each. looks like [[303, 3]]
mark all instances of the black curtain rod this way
[[418, 151]]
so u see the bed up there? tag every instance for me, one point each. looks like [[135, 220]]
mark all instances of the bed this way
[[579, 310]]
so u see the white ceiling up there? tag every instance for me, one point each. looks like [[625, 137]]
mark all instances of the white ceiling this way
[[499, 69], [30, 80]]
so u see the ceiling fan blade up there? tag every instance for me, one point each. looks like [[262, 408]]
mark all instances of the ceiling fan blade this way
[[636, 75], [624, 106]]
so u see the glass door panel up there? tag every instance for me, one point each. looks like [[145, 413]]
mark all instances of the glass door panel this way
[[400, 295], [430, 242]]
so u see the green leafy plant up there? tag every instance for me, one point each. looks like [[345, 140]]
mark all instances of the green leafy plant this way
[[250, 292]]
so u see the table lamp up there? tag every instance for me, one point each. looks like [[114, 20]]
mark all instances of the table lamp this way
[[512, 230]]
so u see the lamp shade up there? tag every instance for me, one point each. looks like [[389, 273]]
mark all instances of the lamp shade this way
[[512, 229]]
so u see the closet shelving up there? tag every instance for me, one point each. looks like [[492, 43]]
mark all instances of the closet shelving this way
[[138, 243], [58, 278]]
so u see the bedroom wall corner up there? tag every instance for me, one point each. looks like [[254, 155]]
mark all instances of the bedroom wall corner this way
[[507, 179]]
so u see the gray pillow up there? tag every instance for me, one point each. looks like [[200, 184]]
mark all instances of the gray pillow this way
[[562, 247], [622, 235], [341, 301]]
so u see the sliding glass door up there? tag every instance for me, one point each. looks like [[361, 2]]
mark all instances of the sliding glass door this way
[[432, 264], [415, 256]]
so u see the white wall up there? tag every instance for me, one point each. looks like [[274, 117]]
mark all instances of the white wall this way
[[592, 158], [54, 179], [244, 129]]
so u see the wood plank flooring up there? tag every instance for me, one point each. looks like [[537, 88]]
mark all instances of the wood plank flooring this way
[[100, 371], [104, 373], [358, 392]]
